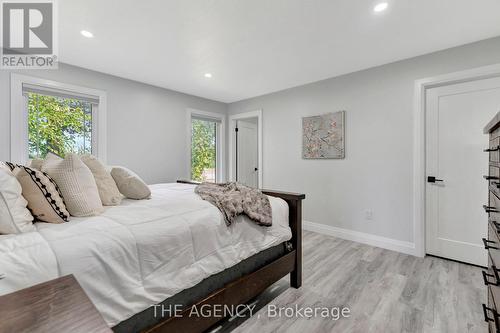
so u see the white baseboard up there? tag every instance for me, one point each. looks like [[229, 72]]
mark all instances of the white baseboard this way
[[361, 237]]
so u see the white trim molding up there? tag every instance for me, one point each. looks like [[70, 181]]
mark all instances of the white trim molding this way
[[19, 115], [221, 141], [232, 123], [361, 237], [419, 172]]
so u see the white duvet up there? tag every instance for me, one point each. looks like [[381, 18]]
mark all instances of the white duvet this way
[[139, 253]]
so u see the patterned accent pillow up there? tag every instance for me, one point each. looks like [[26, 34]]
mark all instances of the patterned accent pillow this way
[[45, 200]]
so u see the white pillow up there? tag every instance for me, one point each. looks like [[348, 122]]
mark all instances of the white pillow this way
[[130, 184], [51, 156], [14, 216], [77, 184], [108, 191], [36, 163]]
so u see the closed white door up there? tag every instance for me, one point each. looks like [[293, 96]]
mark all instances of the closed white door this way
[[455, 118], [247, 153]]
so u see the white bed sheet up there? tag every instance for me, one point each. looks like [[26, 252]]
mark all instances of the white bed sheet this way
[[139, 253]]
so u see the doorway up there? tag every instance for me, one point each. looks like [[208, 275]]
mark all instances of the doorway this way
[[246, 148], [455, 115]]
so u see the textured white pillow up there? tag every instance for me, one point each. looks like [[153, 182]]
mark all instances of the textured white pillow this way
[[108, 191], [77, 184], [130, 184], [14, 216]]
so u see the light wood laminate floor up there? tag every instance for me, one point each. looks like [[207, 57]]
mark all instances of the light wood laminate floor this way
[[386, 291]]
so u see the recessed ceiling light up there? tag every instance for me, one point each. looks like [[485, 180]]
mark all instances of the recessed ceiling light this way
[[208, 75], [380, 7], [87, 34]]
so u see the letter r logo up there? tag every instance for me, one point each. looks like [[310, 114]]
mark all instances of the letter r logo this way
[[27, 27]]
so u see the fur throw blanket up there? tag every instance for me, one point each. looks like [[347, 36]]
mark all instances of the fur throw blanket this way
[[234, 199]]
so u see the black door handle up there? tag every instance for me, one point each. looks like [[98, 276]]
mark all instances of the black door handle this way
[[492, 149], [486, 281], [432, 179], [489, 209], [485, 312], [256, 169], [491, 177], [486, 246]]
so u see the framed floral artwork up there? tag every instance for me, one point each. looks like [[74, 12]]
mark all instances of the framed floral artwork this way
[[323, 136]]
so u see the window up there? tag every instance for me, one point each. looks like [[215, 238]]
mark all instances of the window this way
[[206, 136], [57, 117], [58, 124]]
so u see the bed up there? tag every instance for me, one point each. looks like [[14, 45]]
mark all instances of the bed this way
[[172, 249]]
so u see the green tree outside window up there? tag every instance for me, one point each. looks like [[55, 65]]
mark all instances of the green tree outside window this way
[[58, 125], [203, 150]]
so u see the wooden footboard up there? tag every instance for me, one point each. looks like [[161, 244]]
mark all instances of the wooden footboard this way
[[294, 201], [248, 286]]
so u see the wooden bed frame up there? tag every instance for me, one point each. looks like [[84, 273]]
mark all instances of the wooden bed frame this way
[[247, 287]]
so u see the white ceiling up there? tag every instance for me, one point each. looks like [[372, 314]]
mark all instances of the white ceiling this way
[[253, 47]]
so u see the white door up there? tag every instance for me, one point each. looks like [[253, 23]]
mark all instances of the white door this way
[[247, 153], [455, 117]]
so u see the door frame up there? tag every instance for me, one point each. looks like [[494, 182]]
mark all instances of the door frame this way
[[419, 134], [232, 143]]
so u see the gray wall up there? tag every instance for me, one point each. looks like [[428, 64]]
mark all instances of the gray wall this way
[[146, 131], [377, 171], [146, 125]]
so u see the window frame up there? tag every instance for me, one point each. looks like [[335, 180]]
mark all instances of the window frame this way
[[19, 115], [220, 146]]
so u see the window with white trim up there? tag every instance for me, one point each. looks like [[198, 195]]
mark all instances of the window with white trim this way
[[59, 121], [48, 115]]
